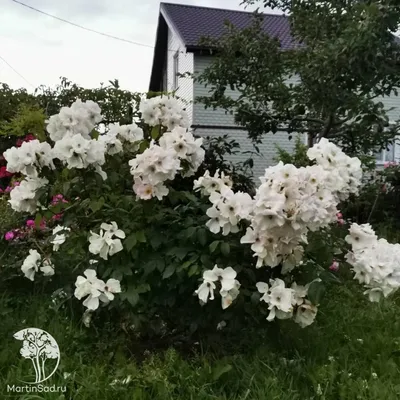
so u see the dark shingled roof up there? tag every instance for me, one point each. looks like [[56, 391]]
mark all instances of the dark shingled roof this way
[[193, 23]]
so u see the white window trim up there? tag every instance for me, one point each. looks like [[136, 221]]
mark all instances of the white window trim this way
[[383, 160], [175, 70], [395, 150]]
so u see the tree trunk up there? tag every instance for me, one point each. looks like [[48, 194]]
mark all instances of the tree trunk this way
[[36, 370], [310, 139], [43, 371]]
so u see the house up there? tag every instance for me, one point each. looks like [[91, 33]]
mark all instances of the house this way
[[177, 51]]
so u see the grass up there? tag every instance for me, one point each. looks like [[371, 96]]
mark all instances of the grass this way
[[352, 352]]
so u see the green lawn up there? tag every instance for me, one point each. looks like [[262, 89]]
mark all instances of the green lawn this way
[[352, 352]]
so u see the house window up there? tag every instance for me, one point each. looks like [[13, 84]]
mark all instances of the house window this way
[[175, 70], [385, 155]]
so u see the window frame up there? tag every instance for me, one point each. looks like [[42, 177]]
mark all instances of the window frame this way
[[384, 152], [175, 70]]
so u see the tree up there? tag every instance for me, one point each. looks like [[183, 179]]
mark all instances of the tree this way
[[116, 103], [346, 57], [38, 346], [23, 113]]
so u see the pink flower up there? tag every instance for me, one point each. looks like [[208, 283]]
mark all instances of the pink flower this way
[[56, 217], [4, 173], [19, 233], [9, 235], [339, 218], [386, 164], [30, 223], [27, 138], [57, 199], [335, 266]]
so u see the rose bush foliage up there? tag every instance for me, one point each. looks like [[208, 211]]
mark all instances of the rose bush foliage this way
[[122, 221]]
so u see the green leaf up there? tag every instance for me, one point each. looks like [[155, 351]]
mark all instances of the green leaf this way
[[57, 208], [48, 214], [143, 288], [126, 270], [153, 264], [130, 241], [327, 276], [179, 252], [156, 239], [38, 220], [95, 134], [140, 236], [185, 265], [225, 248], [193, 269], [65, 173], [316, 292], [173, 197], [155, 132], [107, 273], [206, 261], [66, 186], [169, 271], [190, 232], [132, 296], [213, 246], [96, 205], [220, 370], [191, 196], [118, 275], [143, 146], [202, 236], [255, 298]]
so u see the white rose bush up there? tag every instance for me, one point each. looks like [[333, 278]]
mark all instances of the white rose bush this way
[[124, 221]]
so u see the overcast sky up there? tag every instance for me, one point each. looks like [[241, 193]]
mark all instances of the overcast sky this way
[[42, 48]]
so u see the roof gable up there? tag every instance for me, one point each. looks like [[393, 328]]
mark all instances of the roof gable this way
[[193, 22]]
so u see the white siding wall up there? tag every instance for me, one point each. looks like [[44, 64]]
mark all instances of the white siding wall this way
[[393, 102], [185, 62], [267, 147], [202, 116], [218, 117]]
